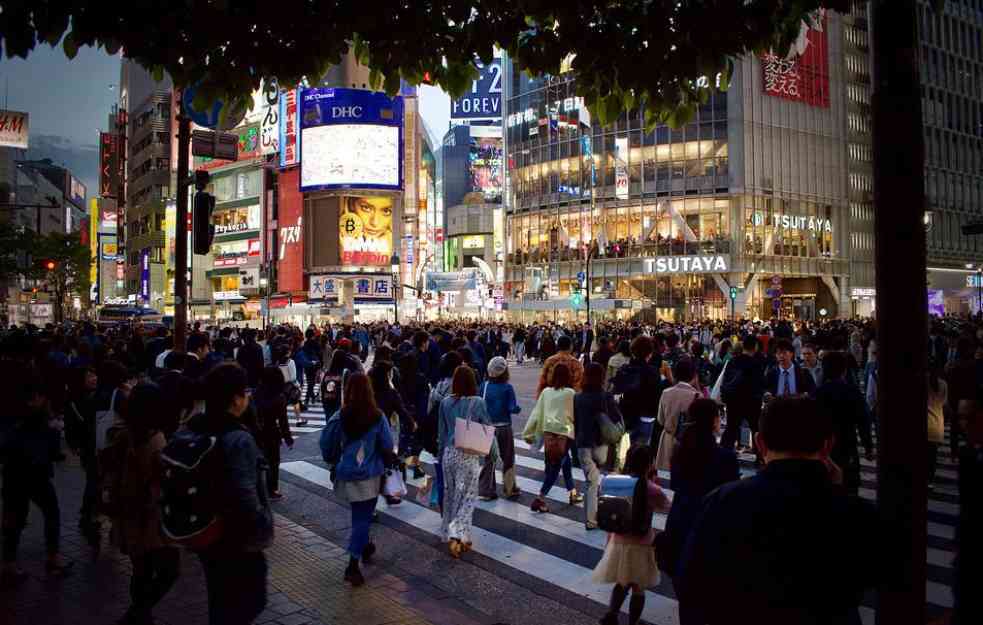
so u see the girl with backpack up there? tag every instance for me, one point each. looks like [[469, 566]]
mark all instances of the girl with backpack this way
[[291, 389], [629, 559], [365, 448], [135, 499], [461, 467]]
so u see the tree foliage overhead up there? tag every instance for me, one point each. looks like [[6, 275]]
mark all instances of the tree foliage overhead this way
[[628, 52]]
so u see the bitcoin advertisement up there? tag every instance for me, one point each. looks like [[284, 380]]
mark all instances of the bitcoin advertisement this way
[[365, 230]]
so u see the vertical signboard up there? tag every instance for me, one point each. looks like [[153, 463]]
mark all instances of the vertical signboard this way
[[269, 139], [484, 99], [145, 274], [621, 168], [289, 130], [108, 165], [803, 74], [290, 259]]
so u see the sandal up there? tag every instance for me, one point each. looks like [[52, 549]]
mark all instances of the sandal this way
[[456, 548], [575, 498]]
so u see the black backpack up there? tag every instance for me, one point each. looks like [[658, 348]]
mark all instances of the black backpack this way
[[192, 487]]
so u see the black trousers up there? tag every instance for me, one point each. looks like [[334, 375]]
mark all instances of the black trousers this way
[[90, 496], [311, 374], [737, 412], [154, 573], [20, 488], [236, 586], [271, 449]]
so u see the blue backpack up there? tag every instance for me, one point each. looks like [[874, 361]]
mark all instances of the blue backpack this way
[[332, 440]]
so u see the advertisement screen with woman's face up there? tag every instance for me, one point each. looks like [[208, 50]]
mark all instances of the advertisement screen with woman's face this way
[[365, 230]]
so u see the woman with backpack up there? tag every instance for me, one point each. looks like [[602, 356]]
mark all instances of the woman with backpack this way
[[461, 466], [271, 419], [552, 421], [291, 388], [629, 559], [588, 407], [699, 465], [134, 484], [365, 448]]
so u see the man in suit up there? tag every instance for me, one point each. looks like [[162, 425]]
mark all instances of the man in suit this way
[[585, 340], [786, 377], [769, 543], [742, 389]]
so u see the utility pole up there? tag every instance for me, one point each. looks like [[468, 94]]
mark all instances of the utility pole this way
[[902, 315], [181, 234]]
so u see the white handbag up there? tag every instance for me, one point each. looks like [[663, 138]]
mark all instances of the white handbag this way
[[104, 421], [473, 438], [394, 486]]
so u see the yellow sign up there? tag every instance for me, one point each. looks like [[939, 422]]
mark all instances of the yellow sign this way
[[109, 250], [365, 231], [473, 242]]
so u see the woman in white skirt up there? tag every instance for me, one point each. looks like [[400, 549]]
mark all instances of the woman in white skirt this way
[[461, 467], [629, 559]]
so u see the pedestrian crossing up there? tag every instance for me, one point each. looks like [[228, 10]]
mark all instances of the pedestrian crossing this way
[[315, 420], [556, 548]]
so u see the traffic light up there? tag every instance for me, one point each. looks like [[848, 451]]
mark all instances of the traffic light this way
[[576, 298], [50, 265], [733, 293], [204, 230]]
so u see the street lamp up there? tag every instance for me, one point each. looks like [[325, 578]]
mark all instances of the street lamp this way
[[264, 284], [394, 266]]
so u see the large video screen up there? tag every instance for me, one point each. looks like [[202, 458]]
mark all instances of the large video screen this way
[[365, 231], [355, 155], [485, 167]]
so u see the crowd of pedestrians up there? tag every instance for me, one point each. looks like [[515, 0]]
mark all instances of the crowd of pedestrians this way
[[620, 397]]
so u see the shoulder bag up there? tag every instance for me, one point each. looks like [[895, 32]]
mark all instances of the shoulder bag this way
[[471, 437]]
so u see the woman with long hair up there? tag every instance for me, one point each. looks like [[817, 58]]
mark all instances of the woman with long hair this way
[[552, 421], [461, 468], [366, 449], [389, 401], [629, 560], [699, 465], [282, 358], [937, 401], [136, 527]]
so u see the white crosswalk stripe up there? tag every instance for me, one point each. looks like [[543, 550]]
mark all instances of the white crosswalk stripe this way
[[505, 536]]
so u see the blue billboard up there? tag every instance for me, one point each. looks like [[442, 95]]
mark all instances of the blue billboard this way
[[350, 138], [484, 100], [145, 274]]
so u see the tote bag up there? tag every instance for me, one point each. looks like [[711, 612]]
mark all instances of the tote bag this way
[[471, 437], [104, 422]]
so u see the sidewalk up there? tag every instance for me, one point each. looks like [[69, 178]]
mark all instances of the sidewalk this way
[[305, 581]]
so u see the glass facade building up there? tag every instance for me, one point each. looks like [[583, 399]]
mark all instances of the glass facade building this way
[[752, 193]]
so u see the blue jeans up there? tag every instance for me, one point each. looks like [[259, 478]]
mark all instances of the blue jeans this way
[[553, 471], [361, 522]]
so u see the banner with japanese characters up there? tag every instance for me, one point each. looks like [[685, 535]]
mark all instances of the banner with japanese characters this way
[[803, 74]]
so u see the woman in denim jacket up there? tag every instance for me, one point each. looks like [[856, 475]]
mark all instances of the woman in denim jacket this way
[[366, 449]]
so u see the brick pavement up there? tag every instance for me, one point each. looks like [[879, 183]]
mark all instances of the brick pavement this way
[[305, 582]]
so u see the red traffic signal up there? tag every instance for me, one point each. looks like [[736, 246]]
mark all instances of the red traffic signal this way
[[50, 265]]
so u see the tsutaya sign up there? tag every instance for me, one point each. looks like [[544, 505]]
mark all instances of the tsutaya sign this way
[[795, 222], [688, 264]]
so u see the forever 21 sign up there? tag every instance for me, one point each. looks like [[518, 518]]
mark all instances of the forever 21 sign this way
[[485, 97]]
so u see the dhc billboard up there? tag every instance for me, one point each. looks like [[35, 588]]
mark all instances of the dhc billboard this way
[[484, 100]]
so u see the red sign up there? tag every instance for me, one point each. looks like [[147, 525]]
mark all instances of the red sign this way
[[108, 169], [289, 144], [290, 240], [802, 76]]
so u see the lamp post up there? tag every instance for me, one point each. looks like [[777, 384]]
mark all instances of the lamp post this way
[[394, 262], [264, 284]]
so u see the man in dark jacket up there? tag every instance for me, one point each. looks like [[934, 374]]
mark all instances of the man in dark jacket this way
[[640, 385], [844, 406], [787, 377], [742, 390], [787, 545], [250, 358]]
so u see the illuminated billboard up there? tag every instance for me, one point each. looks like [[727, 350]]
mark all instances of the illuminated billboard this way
[[485, 166], [350, 138], [365, 231], [803, 74]]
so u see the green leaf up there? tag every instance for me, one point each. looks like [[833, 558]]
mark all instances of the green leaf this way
[[69, 45]]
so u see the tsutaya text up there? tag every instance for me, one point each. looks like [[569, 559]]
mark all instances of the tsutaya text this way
[[795, 222], [688, 264]]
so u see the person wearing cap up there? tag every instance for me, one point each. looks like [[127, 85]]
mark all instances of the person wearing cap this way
[[501, 404]]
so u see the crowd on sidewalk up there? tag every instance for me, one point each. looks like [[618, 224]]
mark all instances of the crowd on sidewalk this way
[[181, 448]]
